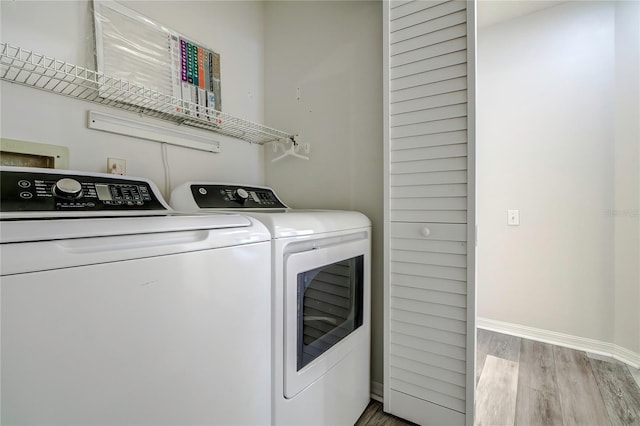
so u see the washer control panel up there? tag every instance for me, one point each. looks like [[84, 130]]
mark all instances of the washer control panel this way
[[44, 191], [219, 196]]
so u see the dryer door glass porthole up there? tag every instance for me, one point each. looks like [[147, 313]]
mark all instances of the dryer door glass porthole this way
[[329, 306]]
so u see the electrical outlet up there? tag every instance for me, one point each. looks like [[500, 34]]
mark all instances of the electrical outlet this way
[[116, 166], [513, 217]]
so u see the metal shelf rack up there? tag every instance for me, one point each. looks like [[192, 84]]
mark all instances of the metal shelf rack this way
[[31, 69]]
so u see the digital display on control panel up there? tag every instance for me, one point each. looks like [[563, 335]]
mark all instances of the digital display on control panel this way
[[121, 192], [103, 192], [209, 196], [31, 191]]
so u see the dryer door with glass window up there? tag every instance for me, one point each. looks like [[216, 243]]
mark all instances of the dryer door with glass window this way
[[325, 309]]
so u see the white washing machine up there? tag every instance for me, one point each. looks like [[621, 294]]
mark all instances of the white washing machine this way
[[320, 300], [116, 311]]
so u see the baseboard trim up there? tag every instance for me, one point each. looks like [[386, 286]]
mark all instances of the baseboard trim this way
[[625, 355], [574, 342], [377, 391]]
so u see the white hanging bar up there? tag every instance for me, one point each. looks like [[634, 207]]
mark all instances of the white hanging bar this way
[[292, 151], [24, 67]]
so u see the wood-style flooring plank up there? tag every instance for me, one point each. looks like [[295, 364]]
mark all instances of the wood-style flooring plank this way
[[635, 373], [496, 392], [369, 413], [580, 397], [374, 415], [619, 391], [537, 402], [483, 340], [504, 346]]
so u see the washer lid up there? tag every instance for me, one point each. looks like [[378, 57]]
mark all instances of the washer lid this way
[[241, 228], [296, 223]]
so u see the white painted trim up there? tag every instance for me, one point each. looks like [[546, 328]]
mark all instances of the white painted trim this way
[[385, 141], [630, 358], [560, 339], [471, 212], [377, 391]]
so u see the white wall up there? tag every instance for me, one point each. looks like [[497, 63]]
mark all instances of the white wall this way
[[626, 220], [332, 51], [62, 29], [549, 137]]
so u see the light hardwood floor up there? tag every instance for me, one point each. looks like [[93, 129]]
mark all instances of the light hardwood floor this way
[[525, 382]]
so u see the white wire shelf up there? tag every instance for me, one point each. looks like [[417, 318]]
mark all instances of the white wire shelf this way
[[31, 69]]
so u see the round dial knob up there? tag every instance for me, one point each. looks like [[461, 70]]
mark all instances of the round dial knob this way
[[67, 188], [241, 195]]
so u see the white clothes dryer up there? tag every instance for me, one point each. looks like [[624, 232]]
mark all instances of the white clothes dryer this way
[[321, 296], [114, 310]]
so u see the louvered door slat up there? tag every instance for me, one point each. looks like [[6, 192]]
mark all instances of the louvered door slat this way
[[430, 11], [433, 114], [426, 203], [427, 52], [429, 64], [440, 297], [440, 361], [418, 166], [410, 7], [429, 77], [428, 102], [429, 27], [427, 90], [428, 333], [449, 216], [430, 39], [440, 231], [418, 191], [429, 178], [399, 3], [429, 127], [441, 386], [430, 321], [436, 396], [428, 370], [429, 194], [429, 258], [436, 139], [429, 153], [423, 244], [428, 271], [429, 166]]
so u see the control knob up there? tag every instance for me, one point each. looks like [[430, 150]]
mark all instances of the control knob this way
[[67, 188], [241, 195]]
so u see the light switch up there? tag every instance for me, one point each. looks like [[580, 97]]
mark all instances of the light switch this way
[[513, 217]]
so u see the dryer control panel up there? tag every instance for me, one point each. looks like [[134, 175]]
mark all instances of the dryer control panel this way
[[43, 190], [221, 196]]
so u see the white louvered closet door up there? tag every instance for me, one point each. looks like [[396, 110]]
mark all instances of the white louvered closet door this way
[[430, 211]]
